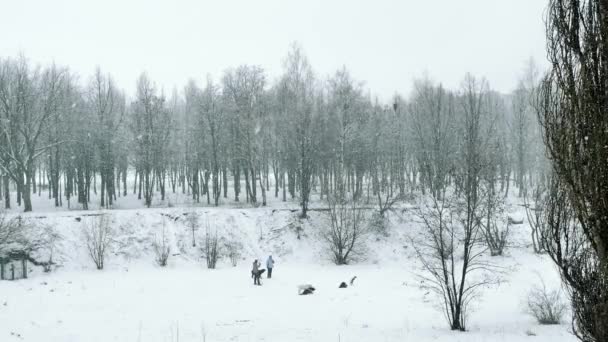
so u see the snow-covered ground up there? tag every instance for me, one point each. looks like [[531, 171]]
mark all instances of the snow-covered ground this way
[[133, 299], [190, 303]]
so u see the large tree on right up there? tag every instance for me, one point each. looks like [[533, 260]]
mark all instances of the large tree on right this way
[[573, 112]]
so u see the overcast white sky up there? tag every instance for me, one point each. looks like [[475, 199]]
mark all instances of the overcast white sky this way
[[386, 43]]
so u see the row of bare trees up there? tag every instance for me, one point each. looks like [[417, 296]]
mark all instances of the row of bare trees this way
[[299, 136]]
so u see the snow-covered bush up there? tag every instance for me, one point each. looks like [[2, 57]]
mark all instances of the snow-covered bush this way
[[494, 221], [192, 223], [233, 248], [379, 224], [11, 232], [38, 241], [162, 248], [43, 246], [535, 215], [496, 232], [547, 306], [98, 237], [210, 248]]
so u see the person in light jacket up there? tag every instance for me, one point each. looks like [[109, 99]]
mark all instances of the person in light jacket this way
[[269, 265]]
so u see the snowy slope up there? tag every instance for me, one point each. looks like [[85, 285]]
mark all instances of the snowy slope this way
[[135, 300]]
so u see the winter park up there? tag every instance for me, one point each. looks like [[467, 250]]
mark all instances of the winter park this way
[[280, 171]]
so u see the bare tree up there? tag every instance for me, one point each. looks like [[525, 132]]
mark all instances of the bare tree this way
[[386, 202], [244, 89], [213, 113], [211, 248], [98, 238], [495, 225], [108, 106], [162, 247], [80, 150], [453, 245], [297, 92], [535, 215], [192, 220], [520, 126], [527, 149], [193, 127], [233, 247], [345, 236], [494, 221], [43, 245], [150, 123], [346, 104], [433, 124], [452, 257]]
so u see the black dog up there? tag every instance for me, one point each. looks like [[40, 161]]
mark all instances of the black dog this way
[[260, 272], [352, 282], [306, 289]]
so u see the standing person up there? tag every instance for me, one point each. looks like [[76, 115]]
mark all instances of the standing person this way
[[255, 272], [269, 265]]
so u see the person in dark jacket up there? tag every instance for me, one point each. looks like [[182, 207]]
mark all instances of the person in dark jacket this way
[[255, 272], [269, 265]]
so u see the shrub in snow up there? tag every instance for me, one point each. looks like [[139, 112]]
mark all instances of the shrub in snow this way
[[233, 248], [535, 215], [37, 242], [162, 248], [98, 236], [211, 248], [546, 305], [192, 223], [379, 223], [495, 225], [43, 246], [496, 233], [11, 232], [386, 201]]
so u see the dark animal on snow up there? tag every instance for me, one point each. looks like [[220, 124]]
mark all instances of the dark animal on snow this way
[[343, 285], [260, 272], [306, 289]]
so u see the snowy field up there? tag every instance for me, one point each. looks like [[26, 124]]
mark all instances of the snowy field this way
[[189, 303], [133, 299]]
